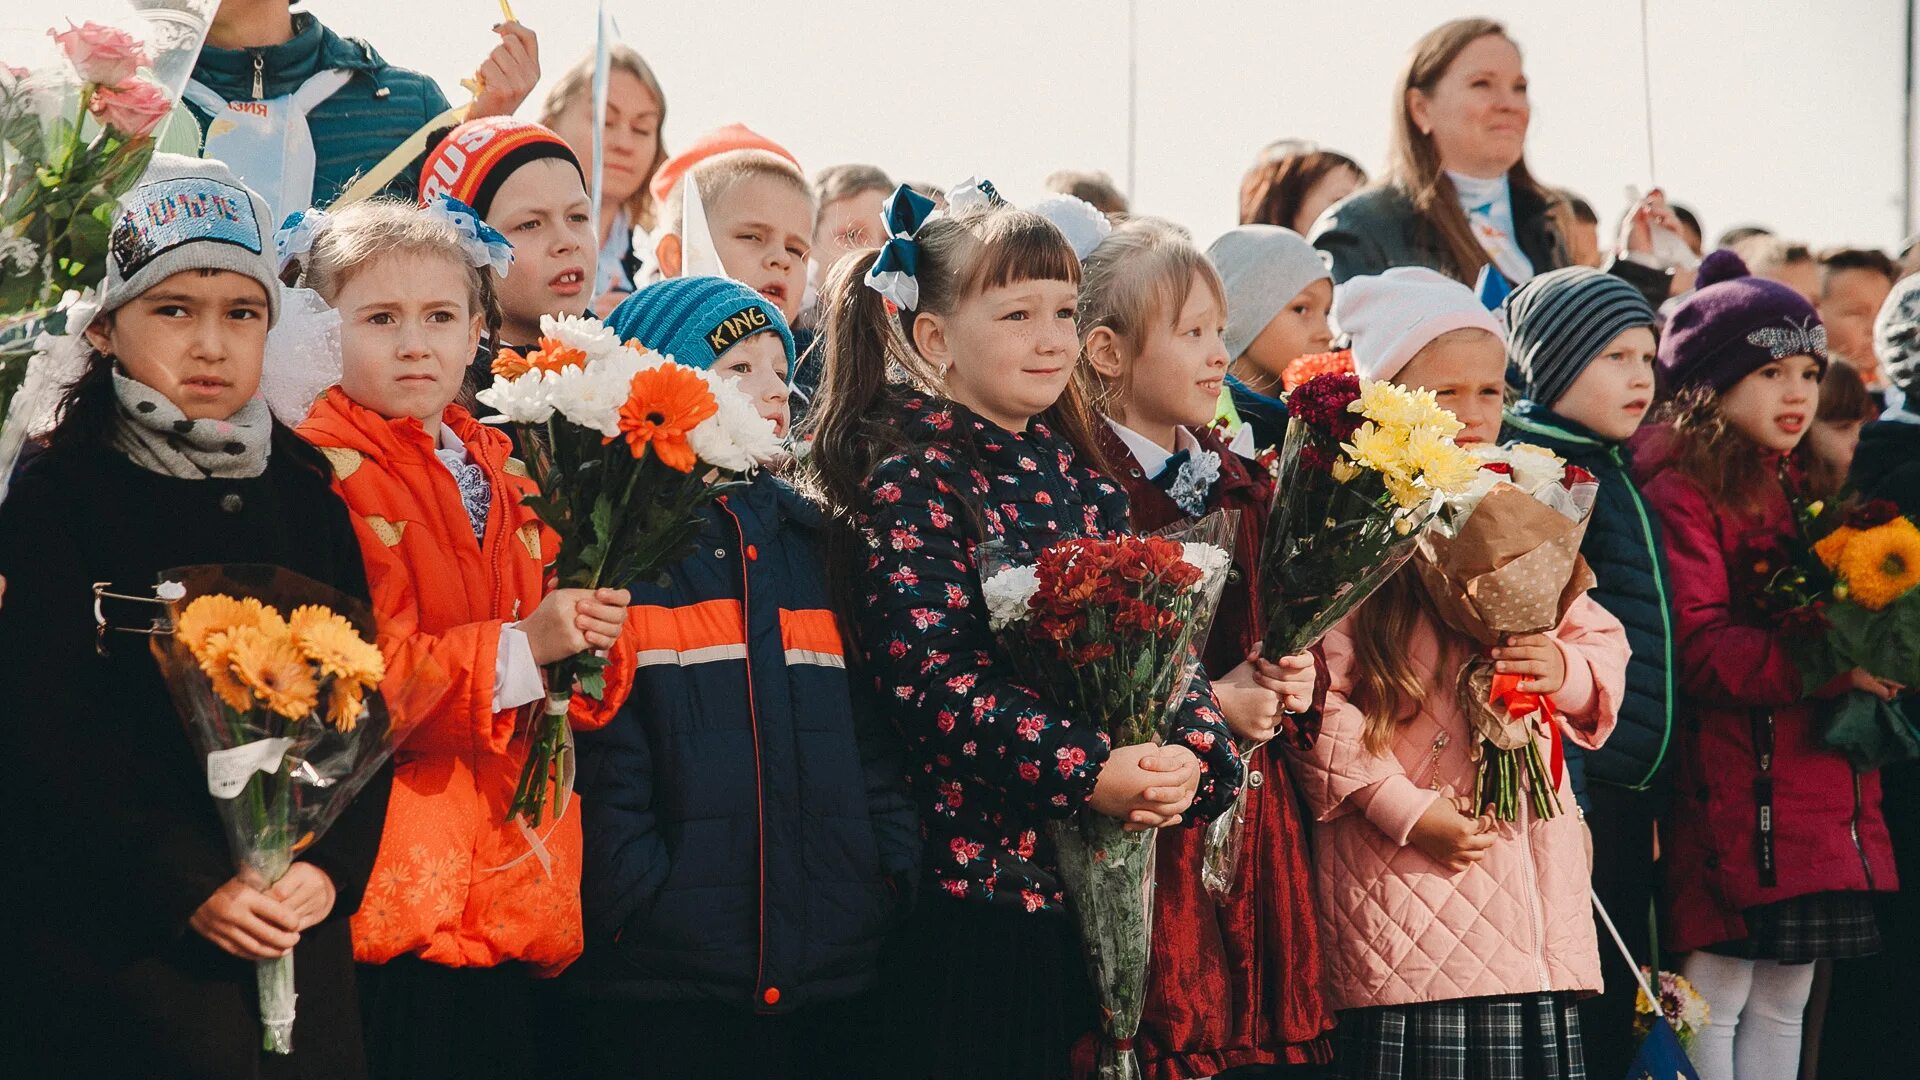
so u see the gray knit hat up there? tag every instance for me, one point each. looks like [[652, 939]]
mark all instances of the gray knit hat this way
[[1558, 322], [1263, 267], [1896, 338], [188, 214]]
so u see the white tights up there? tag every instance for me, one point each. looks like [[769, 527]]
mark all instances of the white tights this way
[[1757, 1011]]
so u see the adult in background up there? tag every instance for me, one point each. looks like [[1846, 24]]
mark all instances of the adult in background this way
[[634, 144], [1093, 187], [298, 112], [1293, 181]]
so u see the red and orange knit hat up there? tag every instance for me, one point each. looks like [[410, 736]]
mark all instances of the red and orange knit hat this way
[[473, 160], [713, 143]]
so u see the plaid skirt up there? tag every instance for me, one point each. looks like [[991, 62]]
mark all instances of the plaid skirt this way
[[1822, 926], [1522, 1037]]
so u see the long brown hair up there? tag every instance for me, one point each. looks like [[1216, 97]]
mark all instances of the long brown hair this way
[[1276, 187], [1414, 161], [1843, 400], [1387, 688], [577, 84], [1706, 447]]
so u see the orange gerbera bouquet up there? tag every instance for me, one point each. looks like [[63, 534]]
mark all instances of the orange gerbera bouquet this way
[[626, 447], [280, 685]]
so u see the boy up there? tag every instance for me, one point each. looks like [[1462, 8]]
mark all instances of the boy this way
[[1854, 283], [1582, 343], [760, 216], [1279, 291], [748, 836]]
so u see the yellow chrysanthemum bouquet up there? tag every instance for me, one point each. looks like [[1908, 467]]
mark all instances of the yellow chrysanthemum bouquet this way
[[280, 684]]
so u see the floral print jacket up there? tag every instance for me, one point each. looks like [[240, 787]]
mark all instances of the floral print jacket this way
[[991, 761]]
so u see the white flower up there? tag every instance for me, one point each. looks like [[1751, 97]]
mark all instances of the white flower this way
[[525, 400], [1534, 467], [1009, 596], [588, 335], [1078, 220], [591, 396], [21, 252], [1209, 559], [736, 437], [968, 193]]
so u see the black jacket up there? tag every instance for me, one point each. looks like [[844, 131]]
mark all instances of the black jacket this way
[[113, 838], [1624, 548], [1374, 230], [1887, 463]]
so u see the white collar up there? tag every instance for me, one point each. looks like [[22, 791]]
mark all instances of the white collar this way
[[1479, 192], [1149, 454]]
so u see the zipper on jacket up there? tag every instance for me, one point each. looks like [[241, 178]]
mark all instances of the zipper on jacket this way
[[1429, 773], [259, 75], [1853, 828], [760, 989], [1539, 954], [1666, 617]]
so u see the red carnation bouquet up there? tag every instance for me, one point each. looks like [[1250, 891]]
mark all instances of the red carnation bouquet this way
[[1109, 628]]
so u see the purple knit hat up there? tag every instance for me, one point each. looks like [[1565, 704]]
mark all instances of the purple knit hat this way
[[1735, 324]]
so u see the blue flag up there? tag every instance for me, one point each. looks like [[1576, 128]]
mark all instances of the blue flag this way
[[1660, 1056]]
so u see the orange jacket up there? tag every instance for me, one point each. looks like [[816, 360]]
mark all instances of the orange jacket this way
[[454, 883]]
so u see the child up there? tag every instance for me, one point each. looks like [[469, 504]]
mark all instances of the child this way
[[1886, 465], [965, 428], [760, 216], [1782, 842], [1583, 344], [748, 844], [1234, 983], [1456, 944], [1846, 406], [465, 908], [1278, 294], [133, 939]]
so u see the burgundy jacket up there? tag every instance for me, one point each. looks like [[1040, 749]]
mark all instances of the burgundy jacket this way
[[1239, 983], [1742, 690]]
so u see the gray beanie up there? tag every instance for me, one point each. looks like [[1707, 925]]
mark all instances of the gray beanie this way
[[1896, 338], [1263, 267], [1559, 321], [188, 213]]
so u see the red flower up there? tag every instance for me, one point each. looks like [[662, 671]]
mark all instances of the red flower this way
[[887, 493], [1872, 513], [1070, 758], [964, 850], [1302, 368], [1028, 727], [1029, 771], [1575, 475], [1034, 901], [1321, 403]]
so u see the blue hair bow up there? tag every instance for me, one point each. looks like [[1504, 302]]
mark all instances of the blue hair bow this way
[[296, 235], [894, 274], [483, 243]]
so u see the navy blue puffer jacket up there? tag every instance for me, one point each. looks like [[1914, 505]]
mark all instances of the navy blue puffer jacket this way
[[749, 838], [1624, 548]]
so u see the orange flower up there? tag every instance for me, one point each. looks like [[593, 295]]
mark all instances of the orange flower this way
[[273, 669], [556, 356], [1302, 368], [663, 404], [510, 365]]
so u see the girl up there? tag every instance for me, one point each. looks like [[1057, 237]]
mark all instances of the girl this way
[[1278, 294], [1235, 983], [465, 908], [1782, 841], [1844, 410], [1456, 944], [137, 939], [633, 143], [1293, 182], [964, 428]]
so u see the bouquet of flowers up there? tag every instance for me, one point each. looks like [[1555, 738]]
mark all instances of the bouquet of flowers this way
[[280, 686], [1682, 1006], [1306, 366], [1504, 559], [626, 447], [1109, 629], [1845, 589], [75, 134]]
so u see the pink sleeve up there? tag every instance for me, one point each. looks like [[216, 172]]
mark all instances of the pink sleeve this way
[[1595, 647]]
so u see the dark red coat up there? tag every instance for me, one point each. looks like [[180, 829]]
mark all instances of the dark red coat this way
[[1239, 983], [1738, 681]]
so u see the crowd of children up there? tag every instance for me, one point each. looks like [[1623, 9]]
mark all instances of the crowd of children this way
[[808, 835]]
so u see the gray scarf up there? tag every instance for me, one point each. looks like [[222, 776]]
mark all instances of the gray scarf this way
[[158, 437]]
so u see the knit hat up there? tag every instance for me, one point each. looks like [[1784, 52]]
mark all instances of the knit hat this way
[[1262, 267], [187, 213], [1392, 316], [1896, 338], [1558, 322], [473, 160], [1734, 324], [695, 320], [713, 143]]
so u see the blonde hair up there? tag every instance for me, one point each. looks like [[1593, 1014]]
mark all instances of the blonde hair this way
[[577, 85], [1141, 273], [721, 173], [361, 234]]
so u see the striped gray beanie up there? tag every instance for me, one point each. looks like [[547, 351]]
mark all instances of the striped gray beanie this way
[[1559, 321], [1896, 339]]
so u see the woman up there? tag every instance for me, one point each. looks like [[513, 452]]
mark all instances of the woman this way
[[634, 144], [1293, 182]]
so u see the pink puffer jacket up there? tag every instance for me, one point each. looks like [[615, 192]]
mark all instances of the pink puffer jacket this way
[[1399, 928]]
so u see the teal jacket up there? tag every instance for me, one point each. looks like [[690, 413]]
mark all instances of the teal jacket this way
[[353, 129]]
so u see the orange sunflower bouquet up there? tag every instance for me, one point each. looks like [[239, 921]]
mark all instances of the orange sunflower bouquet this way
[[626, 447], [279, 682]]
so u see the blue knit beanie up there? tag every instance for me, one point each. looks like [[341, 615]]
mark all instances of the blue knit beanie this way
[[694, 320]]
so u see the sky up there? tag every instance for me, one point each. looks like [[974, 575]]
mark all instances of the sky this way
[[1787, 112]]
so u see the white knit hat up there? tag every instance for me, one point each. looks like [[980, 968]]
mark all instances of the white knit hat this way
[[187, 213], [1392, 316], [1262, 267]]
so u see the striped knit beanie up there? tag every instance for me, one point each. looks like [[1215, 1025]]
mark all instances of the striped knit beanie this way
[[473, 160], [1559, 321], [695, 320]]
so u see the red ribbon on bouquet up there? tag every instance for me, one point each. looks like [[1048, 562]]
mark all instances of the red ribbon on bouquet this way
[[1507, 695]]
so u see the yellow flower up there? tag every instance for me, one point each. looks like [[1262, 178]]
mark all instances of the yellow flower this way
[[1375, 447], [1402, 408], [329, 640], [346, 700], [1344, 470], [273, 669], [1834, 545], [217, 612], [1445, 465], [1882, 564], [1407, 492]]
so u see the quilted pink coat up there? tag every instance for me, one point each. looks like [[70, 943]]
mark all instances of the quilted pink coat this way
[[1401, 929]]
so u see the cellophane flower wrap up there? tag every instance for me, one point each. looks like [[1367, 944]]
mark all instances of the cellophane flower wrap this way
[[1845, 591], [76, 131], [1503, 559], [281, 687], [1362, 470], [1110, 628], [626, 447]]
